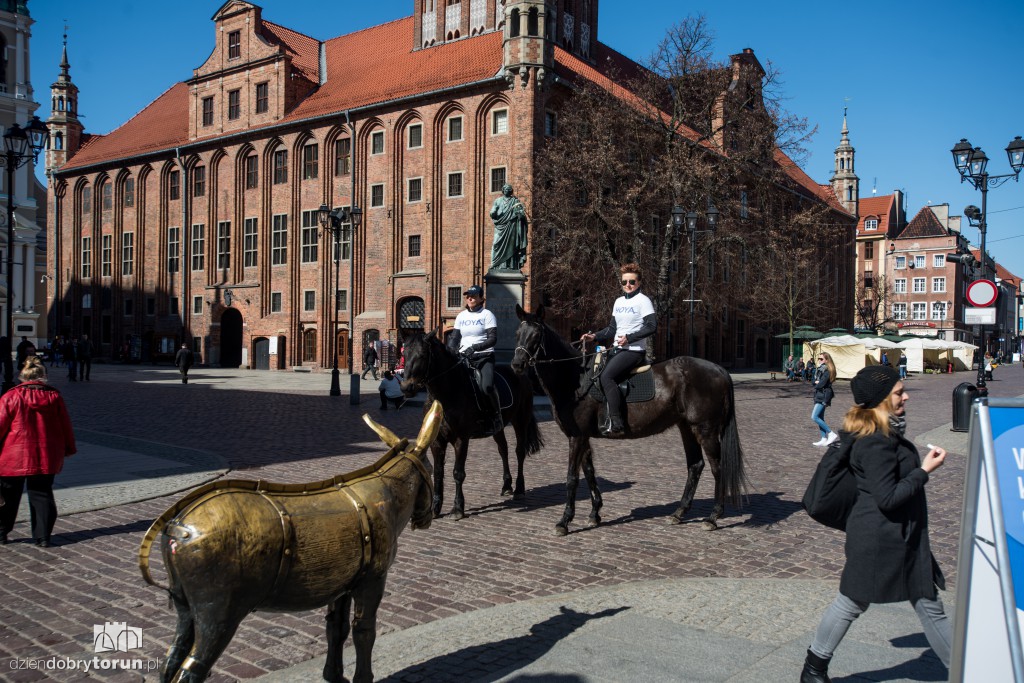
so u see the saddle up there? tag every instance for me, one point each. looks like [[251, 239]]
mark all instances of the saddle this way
[[637, 387]]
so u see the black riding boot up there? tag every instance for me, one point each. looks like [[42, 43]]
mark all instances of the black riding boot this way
[[613, 425], [499, 424], [815, 669]]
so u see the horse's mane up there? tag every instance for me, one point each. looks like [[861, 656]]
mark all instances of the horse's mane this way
[[564, 346]]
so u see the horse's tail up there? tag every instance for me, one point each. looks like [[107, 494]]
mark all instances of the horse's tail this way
[[534, 442], [734, 478]]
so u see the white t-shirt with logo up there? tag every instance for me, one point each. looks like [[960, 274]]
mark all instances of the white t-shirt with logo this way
[[629, 316], [473, 326]]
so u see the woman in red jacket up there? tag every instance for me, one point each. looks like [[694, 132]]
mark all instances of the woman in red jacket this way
[[36, 434]]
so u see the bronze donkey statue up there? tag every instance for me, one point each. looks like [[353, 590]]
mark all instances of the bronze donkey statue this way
[[236, 546]]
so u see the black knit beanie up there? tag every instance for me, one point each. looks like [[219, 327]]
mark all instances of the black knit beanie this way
[[872, 384]]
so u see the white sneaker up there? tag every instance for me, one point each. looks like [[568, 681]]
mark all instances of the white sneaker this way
[[820, 442], [832, 436]]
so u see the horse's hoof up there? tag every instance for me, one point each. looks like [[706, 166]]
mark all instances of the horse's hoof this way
[[561, 530], [594, 522], [507, 491], [519, 495], [709, 525], [437, 514], [674, 519], [456, 515]]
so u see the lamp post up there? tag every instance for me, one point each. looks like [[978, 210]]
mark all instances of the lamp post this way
[[334, 222], [971, 163], [20, 145], [681, 218]]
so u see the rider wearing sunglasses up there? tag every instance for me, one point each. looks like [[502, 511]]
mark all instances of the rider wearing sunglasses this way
[[633, 320]]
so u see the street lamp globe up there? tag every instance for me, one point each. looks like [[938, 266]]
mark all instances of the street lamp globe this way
[[712, 216], [15, 141], [978, 163], [962, 155], [678, 215], [37, 132], [1015, 153]]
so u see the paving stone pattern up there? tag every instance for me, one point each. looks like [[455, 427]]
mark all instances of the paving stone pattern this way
[[503, 552]]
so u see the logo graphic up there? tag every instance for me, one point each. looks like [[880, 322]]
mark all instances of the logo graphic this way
[[116, 636]]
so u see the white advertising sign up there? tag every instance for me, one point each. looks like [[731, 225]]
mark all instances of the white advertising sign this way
[[980, 316]]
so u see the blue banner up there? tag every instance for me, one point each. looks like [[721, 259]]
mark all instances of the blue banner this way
[[1008, 438]]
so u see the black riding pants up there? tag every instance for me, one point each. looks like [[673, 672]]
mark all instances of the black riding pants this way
[[615, 371], [485, 364]]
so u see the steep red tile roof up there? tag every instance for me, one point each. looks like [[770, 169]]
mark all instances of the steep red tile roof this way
[[797, 174], [305, 50], [924, 224], [1001, 272], [875, 207]]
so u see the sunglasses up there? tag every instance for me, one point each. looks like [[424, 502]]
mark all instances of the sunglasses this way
[[628, 282]]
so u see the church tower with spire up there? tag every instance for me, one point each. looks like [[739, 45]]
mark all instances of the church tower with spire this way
[[845, 182], [65, 128]]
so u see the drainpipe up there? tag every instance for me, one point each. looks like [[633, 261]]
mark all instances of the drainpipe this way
[[353, 376]]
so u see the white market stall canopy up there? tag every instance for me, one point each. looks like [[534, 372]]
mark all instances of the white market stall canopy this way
[[850, 353]]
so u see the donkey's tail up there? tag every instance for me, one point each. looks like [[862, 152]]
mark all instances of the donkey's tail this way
[[734, 478]]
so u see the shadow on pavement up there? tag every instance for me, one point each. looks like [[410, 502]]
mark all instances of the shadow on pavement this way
[[491, 659]]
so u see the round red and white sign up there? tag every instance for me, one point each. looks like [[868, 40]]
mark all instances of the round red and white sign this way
[[982, 293]]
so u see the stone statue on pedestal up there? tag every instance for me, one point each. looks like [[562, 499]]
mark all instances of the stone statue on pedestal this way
[[510, 224]]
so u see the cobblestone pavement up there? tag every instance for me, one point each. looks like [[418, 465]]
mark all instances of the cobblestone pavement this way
[[285, 428]]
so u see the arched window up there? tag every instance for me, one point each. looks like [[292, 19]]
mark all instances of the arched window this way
[[59, 141], [513, 29], [309, 346], [532, 25], [60, 103], [849, 194]]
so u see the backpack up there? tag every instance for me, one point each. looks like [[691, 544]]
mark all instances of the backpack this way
[[832, 491]]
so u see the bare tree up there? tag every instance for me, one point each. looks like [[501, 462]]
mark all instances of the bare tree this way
[[874, 296]]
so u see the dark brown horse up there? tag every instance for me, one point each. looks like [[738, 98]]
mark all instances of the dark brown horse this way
[[692, 394], [449, 380], [236, 546]]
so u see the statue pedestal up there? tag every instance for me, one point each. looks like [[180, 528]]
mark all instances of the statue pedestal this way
[[504, 290]]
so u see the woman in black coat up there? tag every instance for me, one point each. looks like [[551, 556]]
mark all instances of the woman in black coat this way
[[888, 556]]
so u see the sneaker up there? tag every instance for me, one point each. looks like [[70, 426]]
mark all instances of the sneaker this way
[[832, 436], [820, 442]]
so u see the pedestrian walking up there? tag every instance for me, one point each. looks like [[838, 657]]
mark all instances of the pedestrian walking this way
[[903, 366], [391, 390], [370, 361], [24, 349], [85, 350], [184, 360], [35, 430], [888, 555], [824, 375], [71, 357]]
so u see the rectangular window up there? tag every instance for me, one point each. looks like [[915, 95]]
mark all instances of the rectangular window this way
[[741, 338], [869, 280], [309, 300], [107, 256], [87, 197], [174, 185], [455, 129], [252, 172], [197, 305], [310, 162], [899, 285], [455, 297], [744, 205], [86, 257], [234, 46], [87, 303], [234, 104], [377, 142], [414, 245], [262, 98], [344, 241], [920, 285], [919, 311], [938, 284], [497, 178], [377, 195], [869, 250], [108, 196], [275, 302], [901, 262], [197, 346], [415, 193], [310, 236], [342, 299], [499, 122], [938, 310], [207, 111], [150, 305], [198, 246], [550, 124], [249, 243], [128, 306], [871, 224], [129, 192], [173, 249], [280, 166], [919, 261], [455, 184], [342, 156], [174, 305], [899, 311], [415, 136], [279, 240], [127, 253], [223, 245], [938, 261], [199, 181]]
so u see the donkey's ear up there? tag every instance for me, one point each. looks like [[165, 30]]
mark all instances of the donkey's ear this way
[[520, 313], [540, 313]]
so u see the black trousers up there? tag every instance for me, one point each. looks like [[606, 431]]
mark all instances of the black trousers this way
[[84, 368], [384, 400], [616, 370], [42, 507]]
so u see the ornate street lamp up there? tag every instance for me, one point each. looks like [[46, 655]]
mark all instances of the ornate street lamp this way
[[335, 221], [20, 145], [691, 218], [972, 165]]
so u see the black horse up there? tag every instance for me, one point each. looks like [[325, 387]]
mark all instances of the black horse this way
[[449, 380], [692, 394]]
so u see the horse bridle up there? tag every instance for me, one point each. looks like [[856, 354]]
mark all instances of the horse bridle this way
[[533, 360]]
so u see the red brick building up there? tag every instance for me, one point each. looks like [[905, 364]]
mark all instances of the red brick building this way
[[196, 219]]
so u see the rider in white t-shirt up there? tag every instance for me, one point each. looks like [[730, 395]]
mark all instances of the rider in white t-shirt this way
[[633, 320], [474, 337]]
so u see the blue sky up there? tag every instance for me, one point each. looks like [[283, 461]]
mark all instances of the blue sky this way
[[916, 76]]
